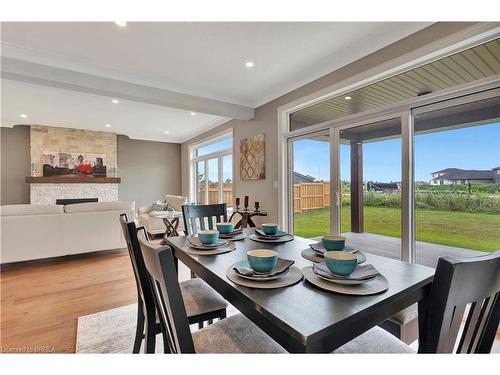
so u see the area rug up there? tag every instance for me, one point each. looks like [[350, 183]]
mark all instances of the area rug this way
[[110, 331], [113, 331]]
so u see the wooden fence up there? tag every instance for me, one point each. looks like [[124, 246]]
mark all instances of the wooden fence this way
[[306, 196], [213, 190], [311, 196]]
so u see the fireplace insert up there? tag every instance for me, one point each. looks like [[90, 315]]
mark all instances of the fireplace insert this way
[[74, 201]]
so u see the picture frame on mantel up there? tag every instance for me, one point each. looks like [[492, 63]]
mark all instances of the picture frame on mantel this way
[[253, 158]]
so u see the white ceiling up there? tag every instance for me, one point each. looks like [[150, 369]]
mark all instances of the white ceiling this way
[[71, 109], [200, 59]]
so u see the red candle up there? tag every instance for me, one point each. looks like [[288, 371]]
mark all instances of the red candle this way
[[246, 200], [237, 201], [256, 205]]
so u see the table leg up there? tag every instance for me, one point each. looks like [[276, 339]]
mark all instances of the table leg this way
[[423, 308]]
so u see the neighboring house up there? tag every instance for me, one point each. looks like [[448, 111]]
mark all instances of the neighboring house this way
[[455, 176], [299, 178]]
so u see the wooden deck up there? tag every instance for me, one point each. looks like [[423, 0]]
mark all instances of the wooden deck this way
[[427, 253]]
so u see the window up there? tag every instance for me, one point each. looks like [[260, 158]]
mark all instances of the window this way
[[212, 171]]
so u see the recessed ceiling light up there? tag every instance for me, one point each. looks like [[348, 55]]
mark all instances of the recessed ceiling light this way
[[192, 113], [166, 131], [121, 23], [249, 64], [22, 115], [115, 101], [347, 98], [108, 125]]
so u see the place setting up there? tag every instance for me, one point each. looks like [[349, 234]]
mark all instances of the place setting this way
[[208, 242], [264, 269], [340, 272], [227, 232], [270, 233], [316, 251]]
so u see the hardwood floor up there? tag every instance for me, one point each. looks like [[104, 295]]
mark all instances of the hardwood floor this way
[[40, 303]]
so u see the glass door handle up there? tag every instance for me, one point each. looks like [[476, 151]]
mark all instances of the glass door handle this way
[[337, 199]]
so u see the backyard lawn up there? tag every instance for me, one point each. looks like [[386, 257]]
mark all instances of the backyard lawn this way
[[477, 231]]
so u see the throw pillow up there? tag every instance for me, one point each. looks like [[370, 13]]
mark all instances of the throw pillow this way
[[159, 206]]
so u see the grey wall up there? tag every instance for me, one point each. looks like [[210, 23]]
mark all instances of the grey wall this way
[[15, 164], [266, 116], [148, 170]]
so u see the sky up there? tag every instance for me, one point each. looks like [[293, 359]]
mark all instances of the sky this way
[[476, 147]]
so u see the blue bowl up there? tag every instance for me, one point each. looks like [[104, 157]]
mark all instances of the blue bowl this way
[[333, 243], [208, 237], [225, 228], [270, 229], [262, 260], [341, 263]]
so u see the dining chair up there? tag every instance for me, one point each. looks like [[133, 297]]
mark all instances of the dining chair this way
[[463, 289], [195, 216], [235, 334], [202, 302]]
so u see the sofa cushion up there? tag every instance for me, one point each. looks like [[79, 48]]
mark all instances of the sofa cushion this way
[[175, 201], [30, 209], [99, 206]]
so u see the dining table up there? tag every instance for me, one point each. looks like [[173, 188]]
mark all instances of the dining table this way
[[303, 318]]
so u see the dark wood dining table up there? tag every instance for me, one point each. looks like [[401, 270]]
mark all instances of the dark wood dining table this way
[[303, 318]]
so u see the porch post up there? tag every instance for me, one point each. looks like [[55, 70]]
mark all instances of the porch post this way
[[356, 187]]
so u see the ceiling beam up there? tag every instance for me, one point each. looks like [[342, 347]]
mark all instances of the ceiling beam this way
[[19, 70]]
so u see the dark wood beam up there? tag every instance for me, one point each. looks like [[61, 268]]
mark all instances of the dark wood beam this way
[[357, 187]]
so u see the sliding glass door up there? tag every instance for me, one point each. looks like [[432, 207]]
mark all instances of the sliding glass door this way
[[457, 178], [310, 184], [370, 185]]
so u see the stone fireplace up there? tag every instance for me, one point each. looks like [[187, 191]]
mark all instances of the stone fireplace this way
[[46, 190]]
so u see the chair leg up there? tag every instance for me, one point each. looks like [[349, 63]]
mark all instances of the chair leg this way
[[210, 321], [139, 331], [200, 325], [223, 314], [150, 334]]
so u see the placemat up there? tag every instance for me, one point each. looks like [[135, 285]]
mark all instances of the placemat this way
[[292, 277], [313, 257], [378, 285], [285, 238], [220, 250]]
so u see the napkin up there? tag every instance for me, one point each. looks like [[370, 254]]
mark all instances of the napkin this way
[[261, 233], [360, 273], [319, 249], [282, 266], [232, 234], [195, 241]]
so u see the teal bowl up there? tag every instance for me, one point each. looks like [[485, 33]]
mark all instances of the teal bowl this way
[[333, 243], [225, 228], [208, 237], [262, 260], [270, 229], [341, 263]]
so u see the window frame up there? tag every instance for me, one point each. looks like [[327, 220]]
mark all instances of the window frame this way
[[219, 155]]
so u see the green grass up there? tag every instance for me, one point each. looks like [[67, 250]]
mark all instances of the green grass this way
[[478, 231]]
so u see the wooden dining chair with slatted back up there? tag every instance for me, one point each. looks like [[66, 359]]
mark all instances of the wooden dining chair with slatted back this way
[[461, 313], [147, 326], [195, 215], [462, 289], [202, 302], [235, 334]]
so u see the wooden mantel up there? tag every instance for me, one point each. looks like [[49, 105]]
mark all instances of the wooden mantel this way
[[73, 180]]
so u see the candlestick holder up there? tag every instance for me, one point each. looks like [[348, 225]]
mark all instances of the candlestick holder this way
[[237, 208]]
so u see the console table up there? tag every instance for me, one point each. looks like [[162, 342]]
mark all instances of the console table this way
[[246, 218]]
